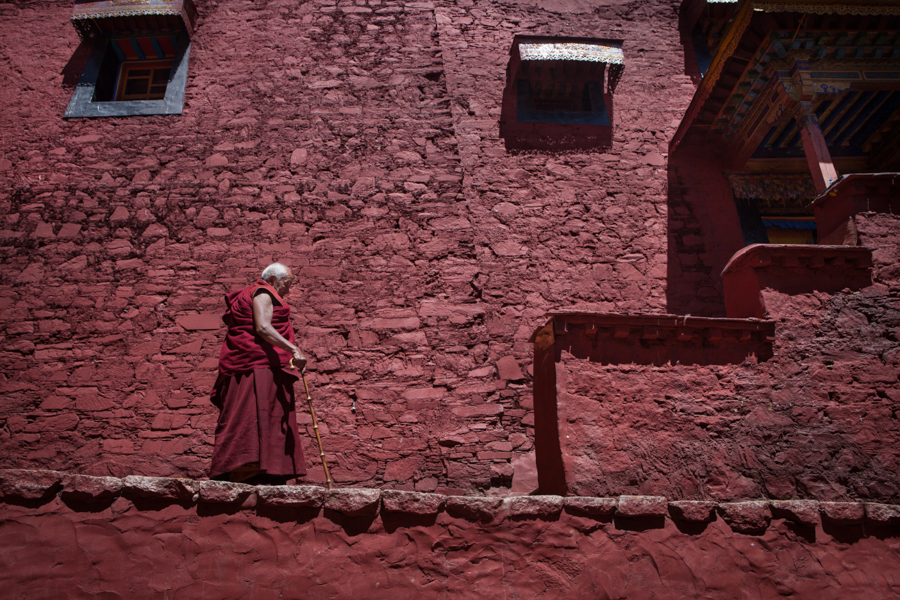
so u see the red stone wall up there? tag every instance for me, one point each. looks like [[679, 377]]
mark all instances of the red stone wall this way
[[703, 231], [820, 419], [359, 144]]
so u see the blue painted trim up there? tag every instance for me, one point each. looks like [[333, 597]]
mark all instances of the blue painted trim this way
[[137, 48], [119, 54], [785, 224], [157, 48]]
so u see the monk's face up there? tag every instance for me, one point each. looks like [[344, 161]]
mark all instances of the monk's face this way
[[283, 287]]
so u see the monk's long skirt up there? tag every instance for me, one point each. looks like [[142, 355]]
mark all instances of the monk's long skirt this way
[[266, 399]]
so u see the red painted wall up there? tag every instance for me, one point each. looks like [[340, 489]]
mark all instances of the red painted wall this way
[[358, 142], [360, 145], [817, 420]]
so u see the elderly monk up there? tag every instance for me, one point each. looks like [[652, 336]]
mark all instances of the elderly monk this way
[[256, 436]]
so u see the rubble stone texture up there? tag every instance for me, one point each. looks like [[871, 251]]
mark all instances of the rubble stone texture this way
[[359, 143], [816, 421]]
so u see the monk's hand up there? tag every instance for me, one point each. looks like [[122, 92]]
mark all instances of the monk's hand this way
[[298, 361]]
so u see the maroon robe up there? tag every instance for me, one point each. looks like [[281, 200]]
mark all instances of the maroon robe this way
[[254, 395]]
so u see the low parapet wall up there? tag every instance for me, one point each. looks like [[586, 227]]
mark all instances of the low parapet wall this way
[[791, 269], [73, 536]]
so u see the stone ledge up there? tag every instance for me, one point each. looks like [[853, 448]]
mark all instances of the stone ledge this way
[[225, 492], [642, 506], [746, 517], [843, 513], [293, 496], [414, 503], [87, 489], [160, 488], [23, 484], [476, 508], [354, 502], [753, 517], [535, 506], [805, 512], [884, 514], [693, 511], [595, 507]]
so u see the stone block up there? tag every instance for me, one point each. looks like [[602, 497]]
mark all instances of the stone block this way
[[24, 484], [484, 410], [508, 369], [536, 506], [224, 492], [354, 502], [843, 513], [746, 517], [87, 489], [160, 488], [595, 507], [412, 502], [476, 508], [202, 321], [295, 496], [799, 511], [693, 511], [642, 506], [883, 514]]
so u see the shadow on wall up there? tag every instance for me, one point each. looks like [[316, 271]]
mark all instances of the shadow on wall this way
[[703, 231]]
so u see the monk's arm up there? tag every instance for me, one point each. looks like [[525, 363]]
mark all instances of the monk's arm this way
[[262, 323]]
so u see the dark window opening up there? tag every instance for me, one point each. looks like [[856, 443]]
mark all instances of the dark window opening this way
[[542, 102], [135, 69], [559, 93], [133, 76], [773, 208]]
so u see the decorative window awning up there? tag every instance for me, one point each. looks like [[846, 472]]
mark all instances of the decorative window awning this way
[[608, 53], [797, 188], [110, 17], [144, 48]]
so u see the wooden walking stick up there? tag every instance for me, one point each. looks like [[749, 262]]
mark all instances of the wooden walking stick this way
[[312, 411]]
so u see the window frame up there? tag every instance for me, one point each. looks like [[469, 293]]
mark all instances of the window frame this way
[[526, 127], [82, 104], [125, 75]]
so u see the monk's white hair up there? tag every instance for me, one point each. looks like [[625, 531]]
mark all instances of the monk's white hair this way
[[277, 270]]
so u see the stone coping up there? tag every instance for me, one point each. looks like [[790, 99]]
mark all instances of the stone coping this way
[[751, 516]]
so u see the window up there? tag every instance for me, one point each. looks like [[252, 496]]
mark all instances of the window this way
[[773, 208], [139, 59], [139, 81], [555, 98]]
